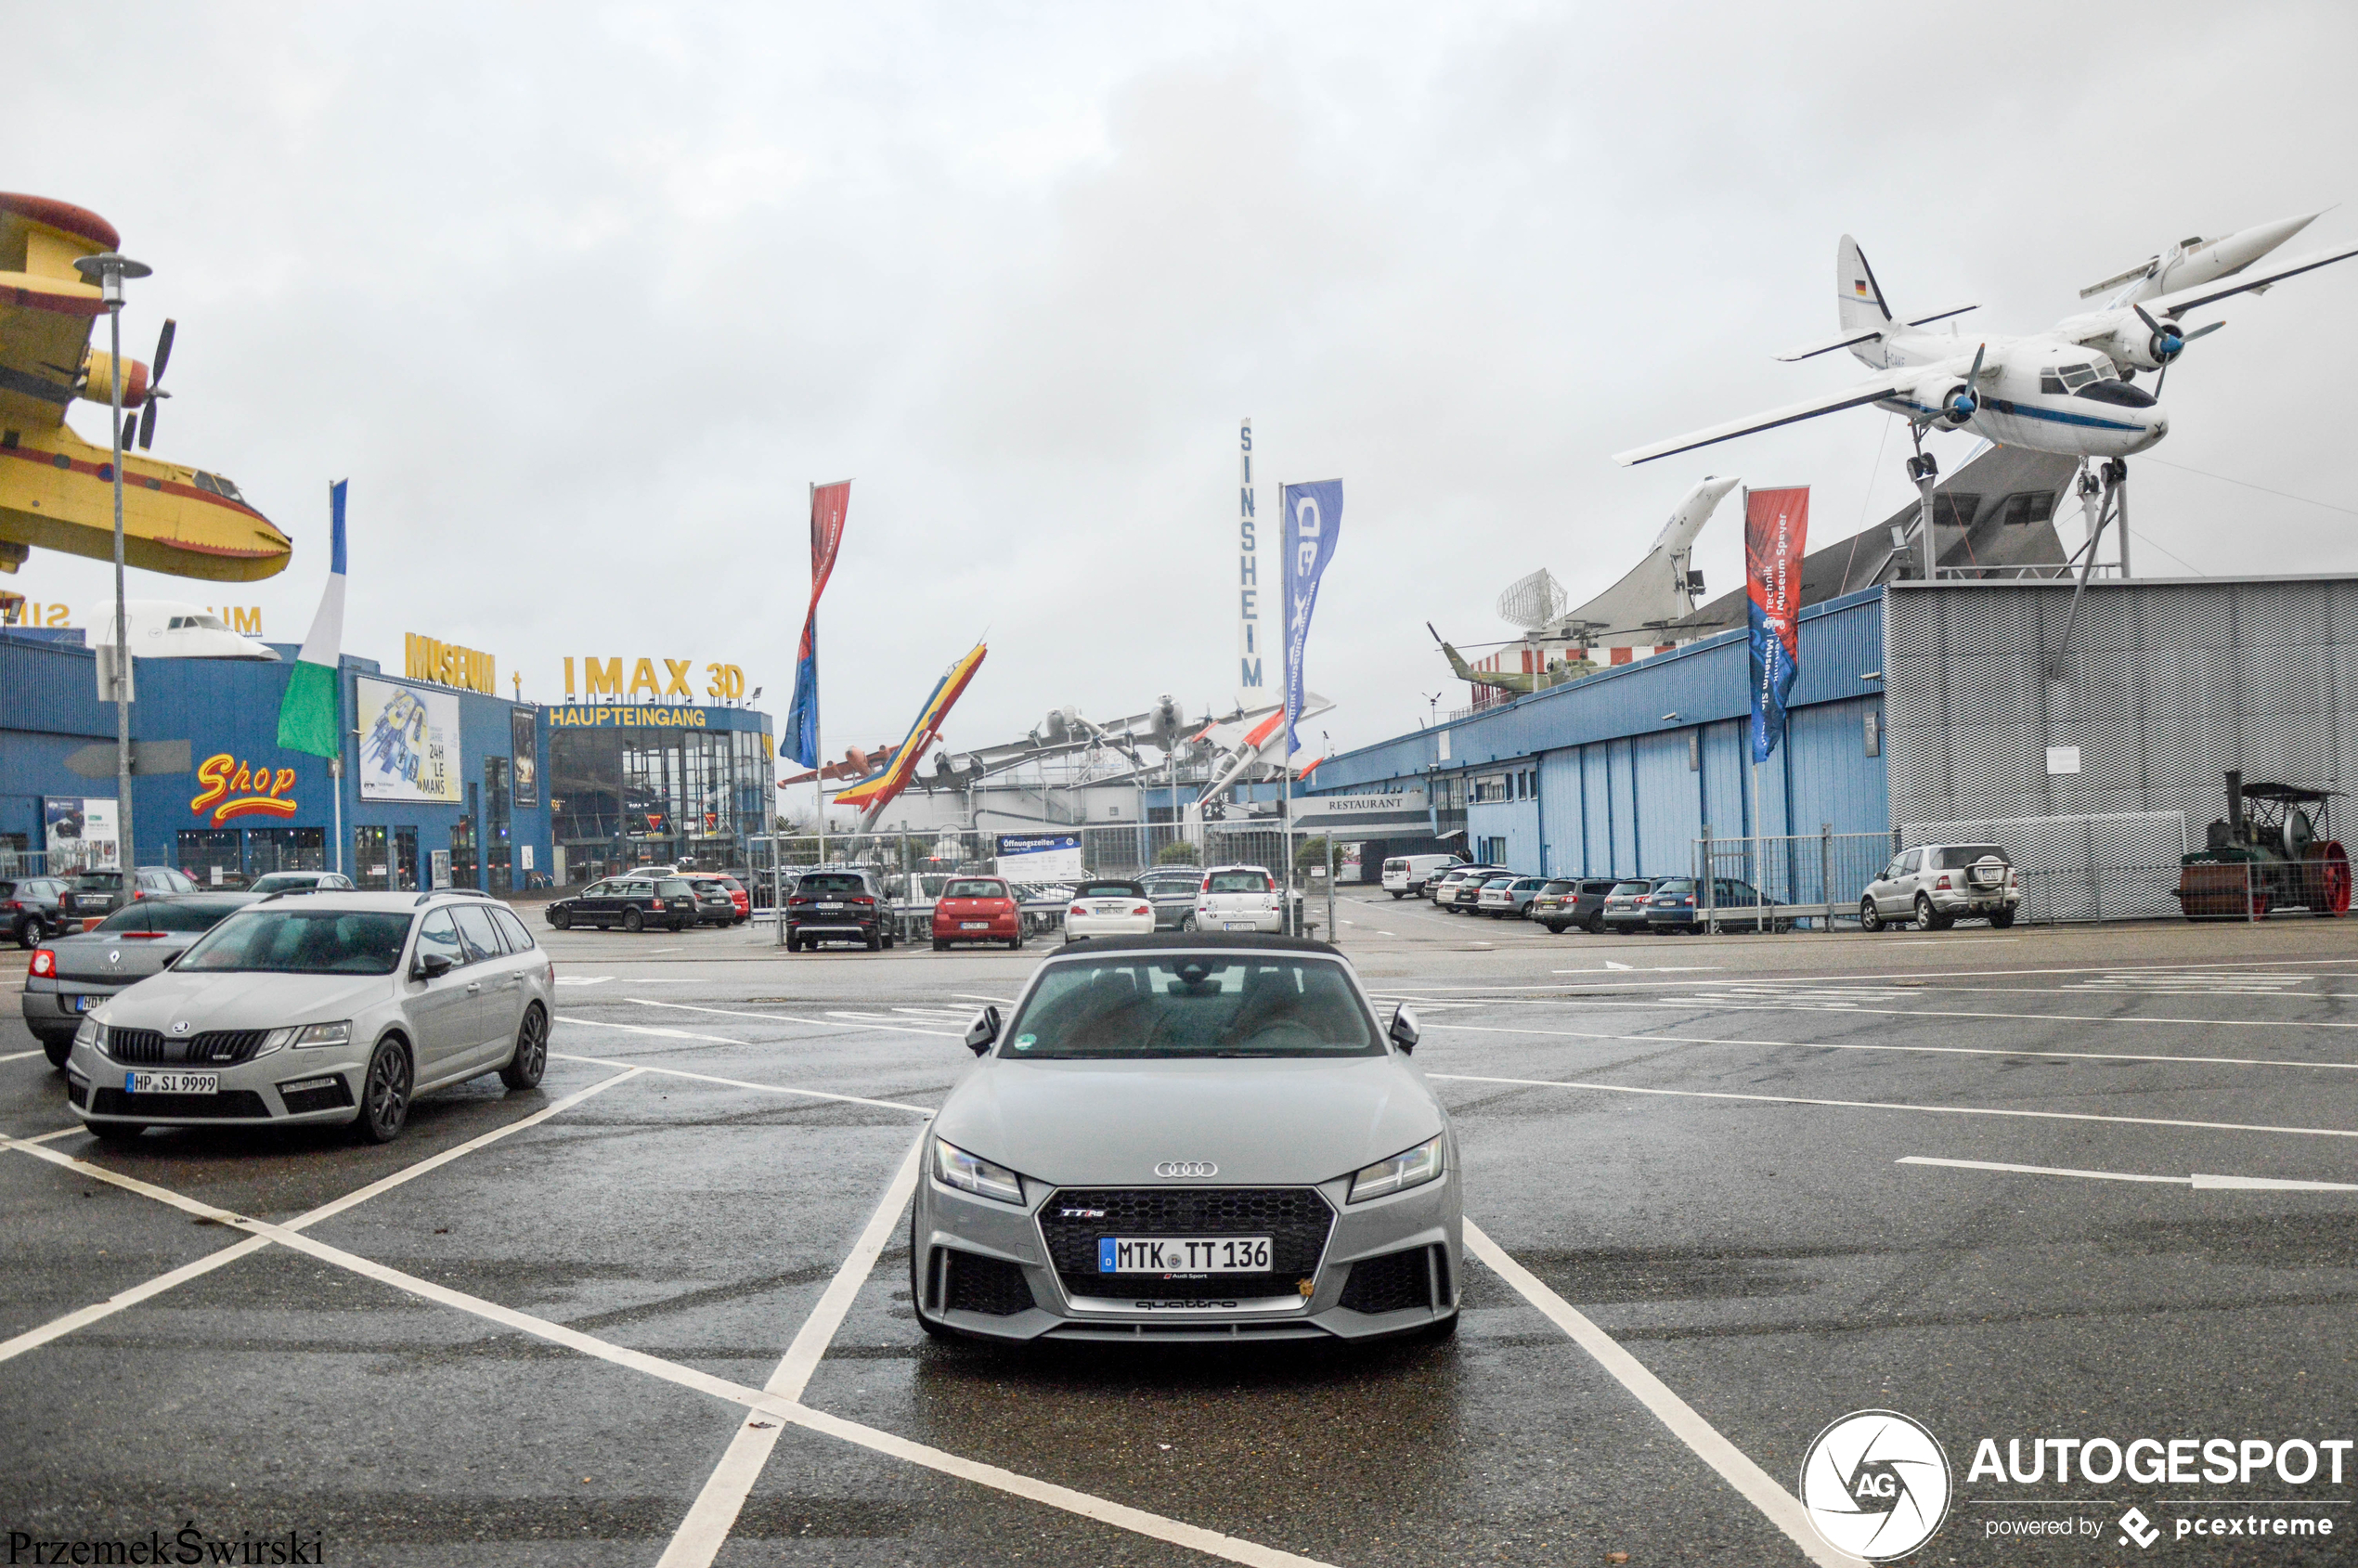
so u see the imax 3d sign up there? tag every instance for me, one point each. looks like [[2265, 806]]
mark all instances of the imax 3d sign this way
[[602, 678]]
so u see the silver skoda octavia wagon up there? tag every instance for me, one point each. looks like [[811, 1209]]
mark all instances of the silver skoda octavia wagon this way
[[1194, 1137], [331, 1006]]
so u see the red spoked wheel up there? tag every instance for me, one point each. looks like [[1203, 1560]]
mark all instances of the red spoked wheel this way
[[2327, 873]]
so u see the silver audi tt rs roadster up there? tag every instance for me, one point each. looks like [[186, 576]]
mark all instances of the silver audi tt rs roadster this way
[[1189, 1138]]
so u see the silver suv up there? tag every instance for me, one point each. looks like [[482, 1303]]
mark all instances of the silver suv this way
[[1937, 885], [337, 1008]]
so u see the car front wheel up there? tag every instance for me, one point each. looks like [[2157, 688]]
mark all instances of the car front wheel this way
[[561, 918], [531, 1058], [385, 1093], [32, 932]]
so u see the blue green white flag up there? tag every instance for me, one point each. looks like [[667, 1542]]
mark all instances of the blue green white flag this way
[[308, 718]]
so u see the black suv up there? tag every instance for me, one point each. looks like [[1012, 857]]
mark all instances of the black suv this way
[[632, 903], [32, 907], [838, 906]]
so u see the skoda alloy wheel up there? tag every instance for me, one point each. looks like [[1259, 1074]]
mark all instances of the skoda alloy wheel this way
[[385, 1093]]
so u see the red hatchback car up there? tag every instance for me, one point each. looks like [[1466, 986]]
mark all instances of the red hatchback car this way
[[977, 908]]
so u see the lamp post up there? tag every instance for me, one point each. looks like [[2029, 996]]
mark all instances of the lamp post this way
[[107, 270]]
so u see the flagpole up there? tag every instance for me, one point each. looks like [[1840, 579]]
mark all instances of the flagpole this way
[[818, 744]]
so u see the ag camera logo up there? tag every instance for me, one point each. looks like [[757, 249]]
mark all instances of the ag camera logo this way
[[1877, 1484]]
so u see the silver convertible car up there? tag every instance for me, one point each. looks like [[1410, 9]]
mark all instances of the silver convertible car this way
[[1189, 1138]]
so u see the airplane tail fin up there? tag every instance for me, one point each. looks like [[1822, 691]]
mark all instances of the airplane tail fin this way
[[1858, 296]]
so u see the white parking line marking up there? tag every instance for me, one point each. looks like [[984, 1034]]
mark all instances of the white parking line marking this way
[[1650, 970], [1947, 974], [642, 1029], [1209, 1542], [714, 1513], [20, 1055], [1930, 1050], [2200, 1182], [33, 1338], [1893, 1104], [790, 1019], [970, 996], [746, 1083], [1730, 1005], [1734, 1466], [1383, 933]]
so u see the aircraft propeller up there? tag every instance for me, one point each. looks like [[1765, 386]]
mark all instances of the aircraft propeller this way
[[155, 389], [1961, 405], [2168, 342]]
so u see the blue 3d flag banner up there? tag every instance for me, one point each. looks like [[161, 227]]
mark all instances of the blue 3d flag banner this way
[[1312, 516], [1776, 534]]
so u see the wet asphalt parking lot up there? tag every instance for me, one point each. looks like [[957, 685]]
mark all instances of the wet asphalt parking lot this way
[[1722, 1192]]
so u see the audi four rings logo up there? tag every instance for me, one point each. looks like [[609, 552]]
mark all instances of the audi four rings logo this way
[[1183, 1168]]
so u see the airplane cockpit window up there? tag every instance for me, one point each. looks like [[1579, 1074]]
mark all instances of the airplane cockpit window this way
[[210, 623], [228, 488], [204, 482], [2118, 393], [2077, 376], [177, 623], [2050, 382]]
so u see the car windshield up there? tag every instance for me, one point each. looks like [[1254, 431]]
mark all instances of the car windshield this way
[[285, 881], [1956, 856], [169, 914], [302, 942], [100, 881], [975, 890], [1192, 1004], [1108, 891], [1238, 882]]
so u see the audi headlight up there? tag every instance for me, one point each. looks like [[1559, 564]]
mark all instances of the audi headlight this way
[[1409, 1168], [954, 1167]]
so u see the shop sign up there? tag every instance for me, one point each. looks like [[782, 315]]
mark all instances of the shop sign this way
[[447, 664], [629, 718], [233, 788], [602, 678]]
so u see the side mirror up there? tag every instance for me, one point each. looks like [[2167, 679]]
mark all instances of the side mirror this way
[[1404, 1028], [984, 1031], [430, 967]]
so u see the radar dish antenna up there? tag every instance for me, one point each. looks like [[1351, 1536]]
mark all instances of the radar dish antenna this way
[[1531, 603]]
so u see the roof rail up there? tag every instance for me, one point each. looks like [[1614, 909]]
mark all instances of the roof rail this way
[[433, 893]]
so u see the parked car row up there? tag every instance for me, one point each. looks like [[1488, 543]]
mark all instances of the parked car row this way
[[673, 902], [1929, 888]]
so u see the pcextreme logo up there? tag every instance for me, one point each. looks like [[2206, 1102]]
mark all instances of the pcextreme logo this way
[[234, 789], [1877, 1484]]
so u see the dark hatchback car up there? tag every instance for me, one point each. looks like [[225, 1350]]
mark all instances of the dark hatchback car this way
[[1680, 904], [102, 892], [838, 906], [70, 974], [632, 903], [1626, 905], [32, 907], [1572, 900], [1174, 895]]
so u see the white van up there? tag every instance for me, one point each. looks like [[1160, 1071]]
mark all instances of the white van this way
[[1404, 875]]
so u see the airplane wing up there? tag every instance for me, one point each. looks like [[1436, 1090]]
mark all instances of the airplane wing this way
[[1857, 395], [46, 308], [2246, 282]]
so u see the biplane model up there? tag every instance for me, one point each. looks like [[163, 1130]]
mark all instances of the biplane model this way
[[57, 490]]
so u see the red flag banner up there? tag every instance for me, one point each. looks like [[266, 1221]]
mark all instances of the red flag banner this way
[[829, 505], [1776, 536]]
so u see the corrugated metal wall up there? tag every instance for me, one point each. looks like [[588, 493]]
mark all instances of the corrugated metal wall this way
[[2166, 686]]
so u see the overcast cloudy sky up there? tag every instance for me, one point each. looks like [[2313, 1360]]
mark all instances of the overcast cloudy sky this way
[[581, 298]]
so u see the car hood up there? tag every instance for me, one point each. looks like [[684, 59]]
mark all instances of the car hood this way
[[1261, 1121], [243, 1000]]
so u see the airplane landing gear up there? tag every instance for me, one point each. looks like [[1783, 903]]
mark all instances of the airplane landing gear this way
[[2103, 497], [1923, 473]]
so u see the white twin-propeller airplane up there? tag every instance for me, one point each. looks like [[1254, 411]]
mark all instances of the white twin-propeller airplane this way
[[2066, 390]]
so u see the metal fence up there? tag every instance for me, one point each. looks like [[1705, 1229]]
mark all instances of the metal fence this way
[[1813, 880], [2121, 866]]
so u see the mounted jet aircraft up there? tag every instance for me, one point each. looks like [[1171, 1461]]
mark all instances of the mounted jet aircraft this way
[[1659, 589]]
